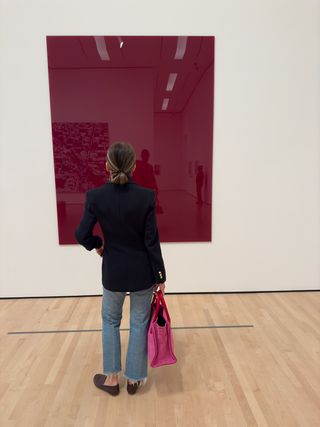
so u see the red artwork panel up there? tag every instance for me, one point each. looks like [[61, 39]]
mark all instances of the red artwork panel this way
[[151, 91]]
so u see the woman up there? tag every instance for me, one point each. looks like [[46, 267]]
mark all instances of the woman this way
[[132, 262]]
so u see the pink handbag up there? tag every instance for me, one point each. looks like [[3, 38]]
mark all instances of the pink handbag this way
[[160, 339]]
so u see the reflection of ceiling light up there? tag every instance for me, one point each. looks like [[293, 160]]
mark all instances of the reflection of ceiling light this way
[[165, 103], [181, 47], [121, 42], [171, 81], [102, 48]]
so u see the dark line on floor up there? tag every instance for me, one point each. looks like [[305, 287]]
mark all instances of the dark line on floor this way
[[127, 329]]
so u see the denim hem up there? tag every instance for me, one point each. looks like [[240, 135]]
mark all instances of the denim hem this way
[[110, 373], [144, 379]]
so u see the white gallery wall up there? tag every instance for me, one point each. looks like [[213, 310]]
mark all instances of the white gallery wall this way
[[266, 153]]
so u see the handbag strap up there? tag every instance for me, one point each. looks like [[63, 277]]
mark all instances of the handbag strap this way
[[155, 302], [161, 298]]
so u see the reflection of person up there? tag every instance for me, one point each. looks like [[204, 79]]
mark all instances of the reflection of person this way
[[144, 173], [132, 262], [199, 183], [145, 176]]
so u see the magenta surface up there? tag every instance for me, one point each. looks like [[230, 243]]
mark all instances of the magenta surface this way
[[154, 92]]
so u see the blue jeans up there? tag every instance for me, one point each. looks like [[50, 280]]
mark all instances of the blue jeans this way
[[111, 311]]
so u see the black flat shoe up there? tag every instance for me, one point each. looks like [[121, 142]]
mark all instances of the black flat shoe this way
[[132, 388], [99, 379]]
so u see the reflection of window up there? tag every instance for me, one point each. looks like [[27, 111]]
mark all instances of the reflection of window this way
[[79, 154]]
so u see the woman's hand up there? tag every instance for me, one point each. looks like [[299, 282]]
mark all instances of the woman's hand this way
[[100, 250], [161, 286]]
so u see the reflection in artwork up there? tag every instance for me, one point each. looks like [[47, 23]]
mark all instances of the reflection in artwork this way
[[144, 175], [153, 92]]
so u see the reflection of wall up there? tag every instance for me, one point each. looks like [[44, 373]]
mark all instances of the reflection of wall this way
[[169, 150], [123, 98], [184, 140], [197, 119]]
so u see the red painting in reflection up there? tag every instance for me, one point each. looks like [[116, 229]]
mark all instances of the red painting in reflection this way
[[153, 92]]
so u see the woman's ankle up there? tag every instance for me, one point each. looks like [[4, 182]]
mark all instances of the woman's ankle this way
[[111, 379]]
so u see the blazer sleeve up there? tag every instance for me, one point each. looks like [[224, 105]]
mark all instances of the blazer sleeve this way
[[84, 232], [152, 242]]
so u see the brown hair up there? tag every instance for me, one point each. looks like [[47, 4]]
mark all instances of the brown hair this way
[[121, 158]]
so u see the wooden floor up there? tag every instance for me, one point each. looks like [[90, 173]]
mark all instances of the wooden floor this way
[[267, 374]]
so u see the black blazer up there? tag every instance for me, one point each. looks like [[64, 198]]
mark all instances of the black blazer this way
[[132, 258]]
